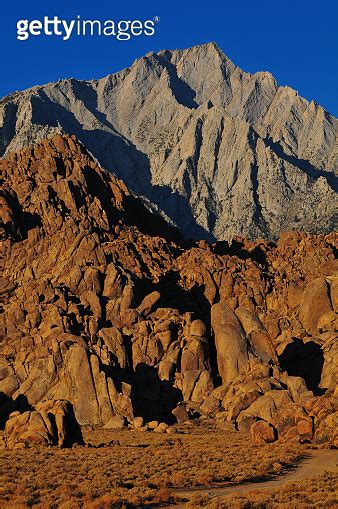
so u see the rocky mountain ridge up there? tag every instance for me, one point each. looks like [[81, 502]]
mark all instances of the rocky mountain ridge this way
[[219, 151]]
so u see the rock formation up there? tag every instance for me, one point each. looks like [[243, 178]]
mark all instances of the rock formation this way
[[107, 308], [219, 151], [53, 424]]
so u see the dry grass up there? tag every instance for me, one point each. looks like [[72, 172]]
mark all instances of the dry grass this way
[[137, 468], [317, 492]]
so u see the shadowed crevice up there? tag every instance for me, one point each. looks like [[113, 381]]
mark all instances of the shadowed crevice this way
[[305, 360]]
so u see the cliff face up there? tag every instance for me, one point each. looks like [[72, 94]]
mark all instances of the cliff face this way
[[219, 151], [105, 307]]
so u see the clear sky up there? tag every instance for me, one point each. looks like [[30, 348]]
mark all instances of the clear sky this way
[[296, 40]]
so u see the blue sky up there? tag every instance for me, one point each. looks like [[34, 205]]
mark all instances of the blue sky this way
[[295, 40]]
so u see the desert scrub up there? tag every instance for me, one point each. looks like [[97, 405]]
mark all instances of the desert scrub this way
[[137, 469]]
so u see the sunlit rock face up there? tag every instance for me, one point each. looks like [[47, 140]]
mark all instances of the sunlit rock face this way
[[109, 313]]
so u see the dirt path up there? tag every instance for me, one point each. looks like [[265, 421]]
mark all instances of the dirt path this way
[[314, 463]]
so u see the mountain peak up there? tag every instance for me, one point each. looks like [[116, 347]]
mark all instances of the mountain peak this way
[[201, 52], [219, 151]]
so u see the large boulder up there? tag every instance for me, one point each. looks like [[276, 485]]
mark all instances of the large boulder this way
[[315, 305], [28, 430], [52, 424], [230, 341]]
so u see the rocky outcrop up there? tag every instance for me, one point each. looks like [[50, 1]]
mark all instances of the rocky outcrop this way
[[77, 324], [220, 151], [53, 423], [105, 306], [271, 405]]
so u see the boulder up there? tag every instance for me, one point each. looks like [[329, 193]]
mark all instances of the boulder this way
[[196, 385], [153, 424], [27, 430], [305, 430], [148, 303], [198, 328], [181, 414], [53, 424], [230, 341], [161, 428], [333, 281], [138, 422], [262, 433], [315, 303]]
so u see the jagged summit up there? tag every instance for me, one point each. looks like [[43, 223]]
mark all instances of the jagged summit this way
[[219, 151]]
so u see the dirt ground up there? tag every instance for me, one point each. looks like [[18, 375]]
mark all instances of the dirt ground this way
[[311, 481]]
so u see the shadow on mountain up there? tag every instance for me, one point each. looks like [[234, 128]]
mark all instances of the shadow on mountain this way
[[303, 164], [149, 223], [184, 95], [177, 208], [134, 213], [7, 131], [121, 157], [173, 295], [305, 360], [254, 170]]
